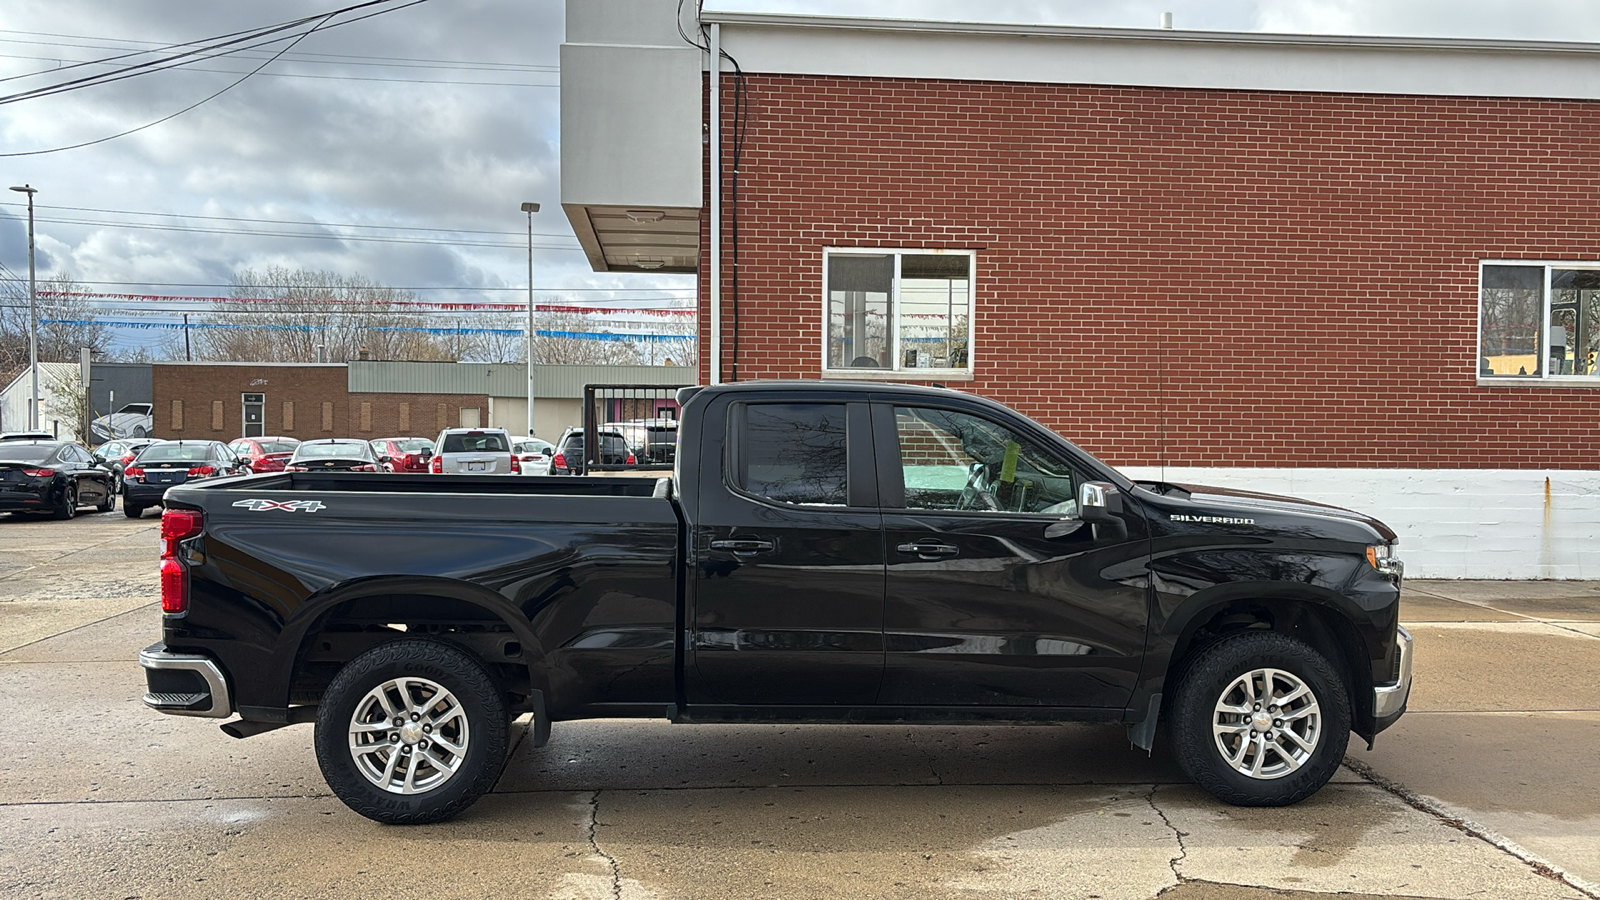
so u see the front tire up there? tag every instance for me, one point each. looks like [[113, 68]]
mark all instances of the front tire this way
[[412, 732], [1260, 719], [109, 503]]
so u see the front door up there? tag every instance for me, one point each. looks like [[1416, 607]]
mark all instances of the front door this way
[[984, 608], [787, 603]]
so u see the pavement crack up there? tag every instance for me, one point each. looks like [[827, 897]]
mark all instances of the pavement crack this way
[[594, 825], [1183, 850], [1453, 819]]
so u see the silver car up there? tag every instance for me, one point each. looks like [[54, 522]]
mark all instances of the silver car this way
[[473, 451]]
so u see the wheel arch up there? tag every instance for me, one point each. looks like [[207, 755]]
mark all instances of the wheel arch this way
[[339, 623], [1314, 615]]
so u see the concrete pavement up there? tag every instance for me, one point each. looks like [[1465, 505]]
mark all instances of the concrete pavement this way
[[102, 798]]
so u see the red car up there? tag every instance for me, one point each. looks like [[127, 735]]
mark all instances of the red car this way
[[406, 454], [266, 454]]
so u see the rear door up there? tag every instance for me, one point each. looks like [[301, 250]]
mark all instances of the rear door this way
[[787, 554], [997, 594]]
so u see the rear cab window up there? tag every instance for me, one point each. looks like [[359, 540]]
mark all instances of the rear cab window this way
[[796, 453]]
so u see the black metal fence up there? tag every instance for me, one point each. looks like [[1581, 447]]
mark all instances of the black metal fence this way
[[629, 420]]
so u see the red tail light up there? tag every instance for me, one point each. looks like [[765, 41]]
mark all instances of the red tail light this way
[[559, 461], [438, 466], [631, 460], [516, 465], [295, 469], [368, 468], [176, 525], [129, 458], [408, 462], [39, 473], [132, 472], [201, 471]]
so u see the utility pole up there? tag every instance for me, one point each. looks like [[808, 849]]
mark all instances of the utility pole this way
[[33, 313], [530, 209], [187, 355]]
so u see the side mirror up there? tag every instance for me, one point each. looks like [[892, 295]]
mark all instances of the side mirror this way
[[547, 451], [385, 459], [427, 454], [1100, 504]]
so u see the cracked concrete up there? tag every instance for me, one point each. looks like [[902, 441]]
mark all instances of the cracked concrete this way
[[1177, 835]]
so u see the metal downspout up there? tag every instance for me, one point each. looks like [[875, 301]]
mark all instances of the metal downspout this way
[[716, 203]]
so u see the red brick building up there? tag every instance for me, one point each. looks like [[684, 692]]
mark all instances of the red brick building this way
[[1286, 261]]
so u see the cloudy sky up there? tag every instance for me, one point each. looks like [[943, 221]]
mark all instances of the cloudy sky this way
[[399, 147]]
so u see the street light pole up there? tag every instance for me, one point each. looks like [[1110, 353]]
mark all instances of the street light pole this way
[[33, 314], [530, 209]]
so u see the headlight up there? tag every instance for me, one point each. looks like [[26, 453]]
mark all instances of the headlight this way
[[1382, 558]]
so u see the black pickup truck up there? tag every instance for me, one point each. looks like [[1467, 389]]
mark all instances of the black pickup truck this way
[[823, 552]]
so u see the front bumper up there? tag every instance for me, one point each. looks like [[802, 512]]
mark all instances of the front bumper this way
[[1389, 700], [184, 684]]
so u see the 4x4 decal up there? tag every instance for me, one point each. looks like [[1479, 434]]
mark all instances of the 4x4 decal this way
[[310, 506]]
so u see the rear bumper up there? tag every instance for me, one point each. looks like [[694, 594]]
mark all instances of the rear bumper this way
[[1389, 700], [141, 494], [184, 684]]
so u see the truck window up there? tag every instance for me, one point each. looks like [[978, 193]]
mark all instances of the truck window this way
[[956, 461], [794, 453]]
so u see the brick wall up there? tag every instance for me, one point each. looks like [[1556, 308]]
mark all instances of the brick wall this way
[[1242, 278], [296, 398]]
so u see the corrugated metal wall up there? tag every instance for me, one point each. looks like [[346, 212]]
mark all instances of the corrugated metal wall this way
[[501, 379]]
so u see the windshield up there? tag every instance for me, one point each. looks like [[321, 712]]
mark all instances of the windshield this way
[[475, 443], [174, 453], [33, 453], [332, 448]]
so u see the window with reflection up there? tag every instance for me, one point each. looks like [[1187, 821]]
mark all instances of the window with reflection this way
[[899, 310], [794, 453], [956, 461], [1539, 320]]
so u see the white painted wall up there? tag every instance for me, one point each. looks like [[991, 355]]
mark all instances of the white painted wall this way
[[1452, 523]]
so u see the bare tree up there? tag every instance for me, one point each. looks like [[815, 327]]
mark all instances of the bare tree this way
[[66, 322], [568, 338], [289, 315]]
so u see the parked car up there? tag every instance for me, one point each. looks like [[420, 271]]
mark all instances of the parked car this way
[[533, 454], [333, 455], [166, 463], [265, 454], [405, 454], [133, 420], [833, 552], [54, 477], [654, 441], [115, 455], [474, 451], [568, 459]]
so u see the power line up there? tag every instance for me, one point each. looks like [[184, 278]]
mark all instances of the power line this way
[[194, 68], [321, 23], [369, 239], [130, 212], [305, 56]]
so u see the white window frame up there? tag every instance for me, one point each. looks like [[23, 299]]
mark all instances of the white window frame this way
[[1543, 377], [898, 372]]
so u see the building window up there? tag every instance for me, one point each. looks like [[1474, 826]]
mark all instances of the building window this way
[[216, 415], [327, 416], [177, 415], [1539, 320], [898, 311], [366, 416], [288, 416], [405, 418]]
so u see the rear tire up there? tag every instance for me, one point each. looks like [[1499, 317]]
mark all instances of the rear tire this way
[[1260, 719], [448, 749], [68, 507], [130, 510]]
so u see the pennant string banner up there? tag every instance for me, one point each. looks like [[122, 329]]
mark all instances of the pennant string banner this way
[[511, 332], [441, 306]]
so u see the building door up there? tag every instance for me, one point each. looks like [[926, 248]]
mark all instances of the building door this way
[[471, 416], [255, 413]]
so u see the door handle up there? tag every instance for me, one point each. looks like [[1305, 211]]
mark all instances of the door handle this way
[[742, 548], [929, 549]]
